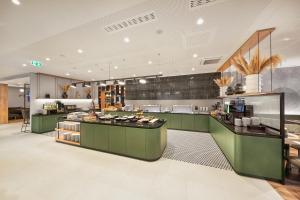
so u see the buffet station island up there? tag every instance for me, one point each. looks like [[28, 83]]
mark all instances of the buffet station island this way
[[134, 136], [249, 129]]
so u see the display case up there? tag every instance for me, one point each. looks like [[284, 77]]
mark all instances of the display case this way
[[182, 109]]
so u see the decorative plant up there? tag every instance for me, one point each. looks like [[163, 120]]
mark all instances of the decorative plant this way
[[224, 81], [88, 92], [256, 65], [65, 88]]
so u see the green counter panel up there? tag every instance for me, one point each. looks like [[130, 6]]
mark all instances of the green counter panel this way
[[187, 122], [175, 121], [117, 139], [249, 155], [142, 143], [201, 123], [259, 156], [224, 138], [178, 121], [136, 142], [101, 137], [44, 123]]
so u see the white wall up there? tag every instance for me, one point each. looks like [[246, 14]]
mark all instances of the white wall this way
[[42, 84], [15, 97], [168, 103]]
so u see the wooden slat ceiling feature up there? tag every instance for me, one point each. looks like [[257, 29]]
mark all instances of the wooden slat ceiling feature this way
[[251, 42]]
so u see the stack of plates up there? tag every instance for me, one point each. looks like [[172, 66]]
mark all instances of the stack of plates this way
[[246, 121], [75, 137]]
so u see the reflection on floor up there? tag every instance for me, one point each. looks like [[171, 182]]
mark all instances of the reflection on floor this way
[[196, 148], [33, 166], [291, 189]]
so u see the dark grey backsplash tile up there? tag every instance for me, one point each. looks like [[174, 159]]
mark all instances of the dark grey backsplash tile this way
[[196, 86]]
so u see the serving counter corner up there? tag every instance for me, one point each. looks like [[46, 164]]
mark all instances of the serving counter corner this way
[[145, 142], [254, 155], [250, 154]]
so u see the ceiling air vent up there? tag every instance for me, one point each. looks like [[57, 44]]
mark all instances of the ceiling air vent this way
[[202, 3], [130, 22], [209, 61]]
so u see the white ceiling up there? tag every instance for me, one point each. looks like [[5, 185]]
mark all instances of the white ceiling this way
[[57, 28], [18, 82]]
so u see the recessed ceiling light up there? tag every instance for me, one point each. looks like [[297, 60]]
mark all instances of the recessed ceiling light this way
[[16, 2], [193, 69], [149, 62], [143, 81], [200, 21], [79, 51], [134, 75], [48, 59], [116, 67], [24, 65], [286, 39], [121, 82], [126, 39], [89, 71], [195, 55], [68, 74], [160, 72]]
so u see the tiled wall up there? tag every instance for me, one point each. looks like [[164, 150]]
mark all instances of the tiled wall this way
[[197, 86]]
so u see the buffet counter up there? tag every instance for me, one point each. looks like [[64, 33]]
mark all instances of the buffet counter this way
[[197, 122], [262, 131], [144, 141], [249, 153], [44, 123]]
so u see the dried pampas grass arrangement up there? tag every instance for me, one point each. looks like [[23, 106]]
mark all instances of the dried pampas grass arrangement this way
[[88, 91], [256, 64], [224, 81], [65, 88]]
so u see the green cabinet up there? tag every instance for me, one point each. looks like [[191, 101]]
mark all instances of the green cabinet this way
[[117, 139], [249, 155], [101, 137], [87, 135], [175, 121], [136, 142], [187, 122], [95, 137], [44, 123], [201, 123], [142, 143], [178, 121]]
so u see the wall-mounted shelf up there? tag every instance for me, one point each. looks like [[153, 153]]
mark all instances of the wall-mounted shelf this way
[[251, 42], [249, 95]]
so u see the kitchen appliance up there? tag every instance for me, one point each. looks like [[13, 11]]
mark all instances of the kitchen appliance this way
[[150, 108], [255, 121], [182, 109], [50, 108], [246, 121], [248, 111], [238, 122], [70, 108]]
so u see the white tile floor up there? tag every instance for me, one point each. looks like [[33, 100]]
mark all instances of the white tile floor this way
[[35, 167]]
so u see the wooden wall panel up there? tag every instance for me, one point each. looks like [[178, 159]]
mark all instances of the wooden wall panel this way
[[3, 104]]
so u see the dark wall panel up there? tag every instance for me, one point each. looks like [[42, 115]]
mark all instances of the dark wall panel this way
[[196, 86]]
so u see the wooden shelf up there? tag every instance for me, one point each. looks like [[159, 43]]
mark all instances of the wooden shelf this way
[[249, 95], [64, 130], [252, 41], [67, 141]]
